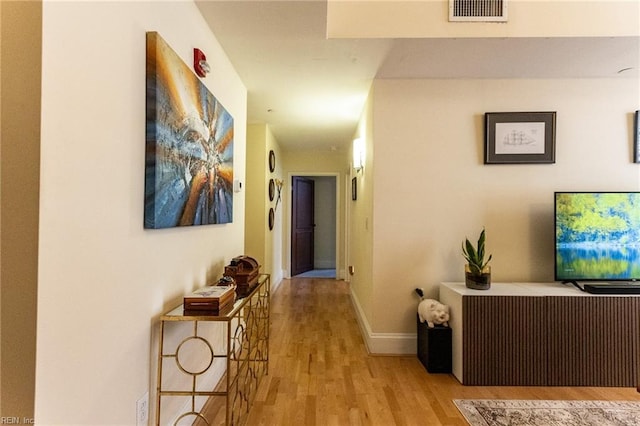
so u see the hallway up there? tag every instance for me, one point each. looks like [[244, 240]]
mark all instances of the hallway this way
[[320, 372]]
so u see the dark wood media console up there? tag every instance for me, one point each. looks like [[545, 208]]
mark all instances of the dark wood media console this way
[[543, 334]]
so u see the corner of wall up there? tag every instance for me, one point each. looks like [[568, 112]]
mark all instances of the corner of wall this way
[[21, 58], [383, 343]]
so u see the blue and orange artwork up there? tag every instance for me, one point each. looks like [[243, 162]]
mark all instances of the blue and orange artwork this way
[[189, 146]]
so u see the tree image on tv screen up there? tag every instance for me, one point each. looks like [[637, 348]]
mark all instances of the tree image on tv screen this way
[[598, 236]]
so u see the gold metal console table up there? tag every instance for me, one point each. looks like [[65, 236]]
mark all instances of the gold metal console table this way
[[209, 367]]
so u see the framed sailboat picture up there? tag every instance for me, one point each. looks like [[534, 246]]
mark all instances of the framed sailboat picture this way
[[520, 137]]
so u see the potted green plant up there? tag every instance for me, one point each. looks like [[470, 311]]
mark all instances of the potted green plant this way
[[477, 271]]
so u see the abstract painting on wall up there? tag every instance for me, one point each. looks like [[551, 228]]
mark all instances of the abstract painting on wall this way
[[189, 146]]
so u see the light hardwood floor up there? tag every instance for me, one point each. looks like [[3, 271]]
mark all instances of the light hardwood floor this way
[[320, 372]]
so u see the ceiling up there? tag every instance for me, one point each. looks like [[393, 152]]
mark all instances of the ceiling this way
[[311, 90]]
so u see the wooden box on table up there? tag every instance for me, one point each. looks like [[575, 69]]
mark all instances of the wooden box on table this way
[[210, 300], [244, 270]]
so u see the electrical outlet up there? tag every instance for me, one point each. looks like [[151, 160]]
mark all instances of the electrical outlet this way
[[142, 410]]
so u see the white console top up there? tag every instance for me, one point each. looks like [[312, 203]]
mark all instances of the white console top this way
[[522, 289]]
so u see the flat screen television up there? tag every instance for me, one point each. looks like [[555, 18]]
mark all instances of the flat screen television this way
[[597, 236]]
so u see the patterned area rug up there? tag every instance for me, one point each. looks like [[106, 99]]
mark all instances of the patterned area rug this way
[[494, 412]]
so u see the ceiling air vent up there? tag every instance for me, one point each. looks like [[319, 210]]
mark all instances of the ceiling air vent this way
[[478, 10]]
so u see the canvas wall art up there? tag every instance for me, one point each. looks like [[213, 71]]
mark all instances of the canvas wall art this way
[[189, 145]]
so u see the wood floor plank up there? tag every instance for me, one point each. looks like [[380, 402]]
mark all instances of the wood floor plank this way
[[321, 374]]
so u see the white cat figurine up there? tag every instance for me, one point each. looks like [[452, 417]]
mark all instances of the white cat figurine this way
[[433, 312]]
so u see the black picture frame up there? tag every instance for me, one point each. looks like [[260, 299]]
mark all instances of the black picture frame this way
[[636, 137], [354, 189], [272, 218], [272, 161], [520, 137], [272, 189]]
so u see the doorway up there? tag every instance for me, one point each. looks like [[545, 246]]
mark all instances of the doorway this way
[[302, 225], [314, 225]]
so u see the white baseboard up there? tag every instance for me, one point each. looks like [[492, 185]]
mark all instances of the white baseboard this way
[[384, 343], [276, 280], [342, 275], [275, 286]]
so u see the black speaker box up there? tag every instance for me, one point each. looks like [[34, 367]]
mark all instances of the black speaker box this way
[[434, 347]]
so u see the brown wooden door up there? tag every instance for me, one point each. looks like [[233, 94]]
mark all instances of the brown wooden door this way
[[302, 225]]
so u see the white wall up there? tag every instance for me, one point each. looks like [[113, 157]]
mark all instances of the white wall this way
[[256, 226], [431, 188], [263, 244], [103, 280], [324, 250], [361, 239]]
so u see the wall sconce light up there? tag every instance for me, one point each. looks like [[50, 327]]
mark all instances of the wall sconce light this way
[[200, 64], [358, 154]]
